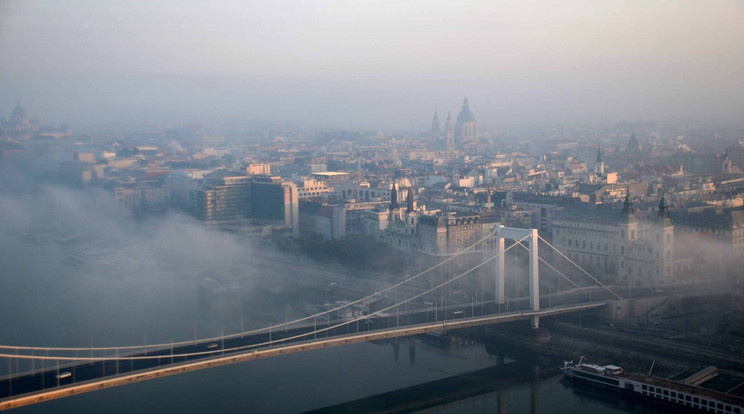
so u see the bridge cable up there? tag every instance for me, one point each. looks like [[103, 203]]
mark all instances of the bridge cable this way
[[246, 347], [556, 270], [265, 329], [580, 268]]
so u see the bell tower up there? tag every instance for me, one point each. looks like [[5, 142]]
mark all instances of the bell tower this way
[[664, 238], [599, 166], [628, 229], [450, 126], [436, 134]]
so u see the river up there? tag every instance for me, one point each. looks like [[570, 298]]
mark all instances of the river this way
[[67, 285]]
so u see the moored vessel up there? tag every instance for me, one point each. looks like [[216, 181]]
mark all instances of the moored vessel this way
[[682, 395]]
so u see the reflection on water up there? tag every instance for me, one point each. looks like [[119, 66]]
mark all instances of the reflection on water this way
[[545, 396]]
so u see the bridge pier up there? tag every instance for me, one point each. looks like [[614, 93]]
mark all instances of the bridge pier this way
[[534, 268], [534, 277], [499, 285]]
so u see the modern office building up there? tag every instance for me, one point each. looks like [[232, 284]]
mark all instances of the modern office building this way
[[243, 200]]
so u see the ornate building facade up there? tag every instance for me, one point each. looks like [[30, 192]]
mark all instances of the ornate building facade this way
[[636, 252]]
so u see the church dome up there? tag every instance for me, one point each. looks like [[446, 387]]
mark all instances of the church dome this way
[[465, 115], [633, 144], [19, 114]]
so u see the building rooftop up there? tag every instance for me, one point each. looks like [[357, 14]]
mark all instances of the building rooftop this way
[[330, 174]]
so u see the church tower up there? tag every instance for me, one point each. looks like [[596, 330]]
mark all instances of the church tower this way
[[411, 217], [664, 238], [633, 145], [394, 199], [450, 133], [599, 166], [628, 229], [436, 134]]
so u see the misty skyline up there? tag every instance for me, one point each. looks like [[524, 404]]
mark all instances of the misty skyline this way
[[372, 65]]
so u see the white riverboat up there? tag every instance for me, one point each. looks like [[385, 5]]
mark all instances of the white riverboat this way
[[684, 397]]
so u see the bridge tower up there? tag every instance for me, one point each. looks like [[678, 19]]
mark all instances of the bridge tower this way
[[512, 233]]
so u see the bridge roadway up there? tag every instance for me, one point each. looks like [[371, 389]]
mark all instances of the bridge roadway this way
[[31, 388]]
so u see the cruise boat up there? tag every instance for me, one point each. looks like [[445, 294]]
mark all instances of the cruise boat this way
[[682, 395]]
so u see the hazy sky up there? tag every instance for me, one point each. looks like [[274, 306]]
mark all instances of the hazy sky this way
[[379, 64]]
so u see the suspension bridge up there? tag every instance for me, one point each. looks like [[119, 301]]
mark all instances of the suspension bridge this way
[[37, 374]]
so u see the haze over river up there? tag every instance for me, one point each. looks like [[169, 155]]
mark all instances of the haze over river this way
[[76, 273], [74, 303]]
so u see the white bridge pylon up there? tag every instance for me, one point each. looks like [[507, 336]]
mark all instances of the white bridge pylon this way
[[517, 234]]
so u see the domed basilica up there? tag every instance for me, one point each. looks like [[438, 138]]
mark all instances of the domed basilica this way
[[457, 135]]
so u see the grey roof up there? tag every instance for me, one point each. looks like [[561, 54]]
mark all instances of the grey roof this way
[[465, 114], [602, 214], [711, 218]]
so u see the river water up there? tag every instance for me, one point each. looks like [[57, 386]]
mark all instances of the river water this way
[[67, 284]]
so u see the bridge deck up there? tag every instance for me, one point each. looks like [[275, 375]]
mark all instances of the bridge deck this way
[[104, 381]]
